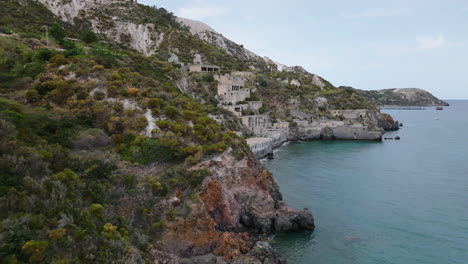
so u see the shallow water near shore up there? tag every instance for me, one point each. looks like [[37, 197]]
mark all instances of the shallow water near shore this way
[[392, 202]]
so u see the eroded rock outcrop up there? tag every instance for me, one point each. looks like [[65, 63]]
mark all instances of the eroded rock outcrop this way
[[242, 196], [387, 123]]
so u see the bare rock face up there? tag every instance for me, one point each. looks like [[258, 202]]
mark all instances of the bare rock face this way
[[206, 33], [145, 38], [241, 196], [387, 123]]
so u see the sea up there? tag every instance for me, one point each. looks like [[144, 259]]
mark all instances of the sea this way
[[397, 201]]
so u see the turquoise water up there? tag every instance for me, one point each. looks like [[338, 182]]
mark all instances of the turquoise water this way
[[392, 202]]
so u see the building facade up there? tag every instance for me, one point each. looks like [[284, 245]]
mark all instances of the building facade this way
[[203, 68]]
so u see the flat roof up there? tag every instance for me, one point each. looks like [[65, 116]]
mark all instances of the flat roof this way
[[257, 140], [205, 65]]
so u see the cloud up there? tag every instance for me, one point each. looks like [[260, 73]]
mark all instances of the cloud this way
[[431, 42], [199, 13], [377, 13]]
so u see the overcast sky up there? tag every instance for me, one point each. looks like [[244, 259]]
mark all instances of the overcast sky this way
[[367, 44]]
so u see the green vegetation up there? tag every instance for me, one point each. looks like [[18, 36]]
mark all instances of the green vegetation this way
[[64, 149]]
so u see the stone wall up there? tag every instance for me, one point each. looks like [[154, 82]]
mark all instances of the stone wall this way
[[352, 114], [231, 89], [330, 130], [256, 123], [261, 147]]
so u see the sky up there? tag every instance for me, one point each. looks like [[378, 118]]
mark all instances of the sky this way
[[367, 44]]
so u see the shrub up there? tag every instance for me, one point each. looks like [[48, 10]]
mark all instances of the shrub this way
[[133, 91], [191, 150], [110, 232], [57, 32], [66, 175], [190, 115], [140, 123], [171, 111], [147, 150], [44, 54], [215, 148], [208, 78], [154, 103], [89, 36], [32, 96], [197, 176], [9, 180], [58, 60], [96, 209], [151, 151], [163, 123], [36, 249], [57, 234]]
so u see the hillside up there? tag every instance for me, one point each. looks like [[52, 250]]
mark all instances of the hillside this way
[[402, 97], [116, 149]]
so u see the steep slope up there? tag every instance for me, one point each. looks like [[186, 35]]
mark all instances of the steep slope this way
[[402, 97], [104, 160]]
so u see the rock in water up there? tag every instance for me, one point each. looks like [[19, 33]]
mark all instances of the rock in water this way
[[387, 123]]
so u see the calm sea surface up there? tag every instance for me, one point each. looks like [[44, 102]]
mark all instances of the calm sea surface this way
[[392, 202]]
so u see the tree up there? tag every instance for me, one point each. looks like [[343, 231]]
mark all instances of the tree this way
[[89, 36], [57, 32]]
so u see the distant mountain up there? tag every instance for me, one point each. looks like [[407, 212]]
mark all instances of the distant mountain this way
[[400, 97]]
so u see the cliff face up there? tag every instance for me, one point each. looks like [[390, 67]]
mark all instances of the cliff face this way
[[402, 97], [242, 196]]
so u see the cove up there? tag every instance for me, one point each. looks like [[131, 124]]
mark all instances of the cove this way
[[391, 202]]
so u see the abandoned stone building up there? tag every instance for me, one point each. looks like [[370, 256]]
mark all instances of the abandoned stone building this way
[[354, 114], [231, 89], [203, 68], [280, 125], [256, 123], [255, 105], [236, 109]]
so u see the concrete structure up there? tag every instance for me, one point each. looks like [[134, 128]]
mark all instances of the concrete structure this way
[[231, 89], [203, 68], [260, 147], [301, 123], [256, 123], [356, 132], [236, 109], [354, 114], [255, 105], [277, 136], [241, 74], [281, 125]]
